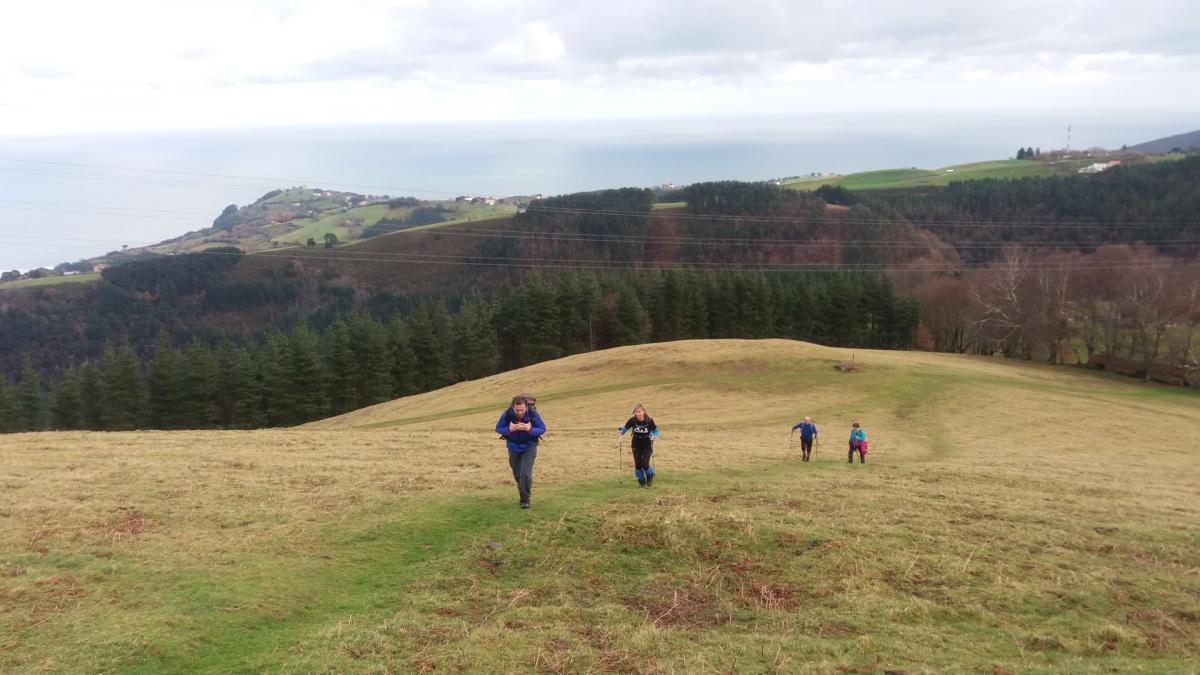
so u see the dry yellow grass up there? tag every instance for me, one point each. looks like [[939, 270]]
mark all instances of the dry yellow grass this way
[[990, 487]]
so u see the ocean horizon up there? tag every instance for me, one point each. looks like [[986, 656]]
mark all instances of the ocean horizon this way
[[65, 198]]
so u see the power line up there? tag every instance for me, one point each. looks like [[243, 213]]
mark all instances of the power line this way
[[827, 219], [124, 179], [284, 256], [765, 242], [814, 220], [455, 230], [419, 258], [91, 213], [23, 202], [291, 181], [704, 266], [395, 189], [773, 244], [633, 215], [548, 208], [650, 213]]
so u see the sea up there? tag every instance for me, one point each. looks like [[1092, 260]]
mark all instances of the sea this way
[[69, 197]]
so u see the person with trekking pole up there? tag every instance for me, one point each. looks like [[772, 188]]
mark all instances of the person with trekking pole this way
[[808, 433], [645, 431], [521, 427], [858, 443]]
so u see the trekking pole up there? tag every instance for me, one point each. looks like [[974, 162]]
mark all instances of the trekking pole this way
[[654, 443]]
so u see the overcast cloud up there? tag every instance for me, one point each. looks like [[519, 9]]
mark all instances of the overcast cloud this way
[[128, 64]]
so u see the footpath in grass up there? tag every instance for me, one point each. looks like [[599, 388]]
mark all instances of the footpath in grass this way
[[820, 566]]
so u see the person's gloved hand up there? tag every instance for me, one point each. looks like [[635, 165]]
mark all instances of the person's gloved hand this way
[[622, 430]]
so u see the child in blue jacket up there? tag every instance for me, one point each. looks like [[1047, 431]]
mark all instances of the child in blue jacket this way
[[522, 428], [858, 443]]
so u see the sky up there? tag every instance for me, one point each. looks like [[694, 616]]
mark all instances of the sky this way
[[140, 65], [131, 121]]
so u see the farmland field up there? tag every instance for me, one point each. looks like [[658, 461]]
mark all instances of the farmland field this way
[[889, 179], [51, 281], [1009, 518]]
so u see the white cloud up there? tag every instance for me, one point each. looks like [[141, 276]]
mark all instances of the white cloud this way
[[140, 64], [534, 43]]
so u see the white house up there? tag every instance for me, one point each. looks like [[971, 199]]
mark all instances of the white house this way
[[1097, 167]]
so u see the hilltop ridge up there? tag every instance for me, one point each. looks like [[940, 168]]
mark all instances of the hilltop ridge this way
[[1185, 141]]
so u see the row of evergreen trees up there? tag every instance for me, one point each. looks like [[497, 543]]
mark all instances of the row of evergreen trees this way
[[1152, 203], [355, 361]]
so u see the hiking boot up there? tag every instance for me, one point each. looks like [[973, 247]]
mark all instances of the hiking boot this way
[[649, 480], [642, 482], [524, 505]]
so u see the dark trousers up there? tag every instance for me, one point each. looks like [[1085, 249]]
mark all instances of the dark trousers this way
[[641, 463], [522, 468], [806, 447], [855, 447], [641, 457]]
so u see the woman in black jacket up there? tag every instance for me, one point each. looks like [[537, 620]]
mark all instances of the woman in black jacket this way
[[644, 432]]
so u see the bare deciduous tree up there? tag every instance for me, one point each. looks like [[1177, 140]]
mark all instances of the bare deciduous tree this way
[[1000, 296], [1145, 310], [946, 312]]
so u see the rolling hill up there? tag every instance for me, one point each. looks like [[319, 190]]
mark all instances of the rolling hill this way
[[1165, 145], [1009, 518], [288, 219]]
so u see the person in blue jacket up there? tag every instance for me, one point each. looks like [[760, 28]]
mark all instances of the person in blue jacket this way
[[858, 443], [808, 433], [644, 433], [522, 428]]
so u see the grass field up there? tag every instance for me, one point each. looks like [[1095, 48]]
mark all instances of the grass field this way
[[909, 178], [369, 215], [1010, 518], [362, 216], [51, 281], [474, 215]]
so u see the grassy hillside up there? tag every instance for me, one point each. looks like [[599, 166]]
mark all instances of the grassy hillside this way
[[1010, 518], [1184, 141], [291, 217], [347, 223], [908, 178]]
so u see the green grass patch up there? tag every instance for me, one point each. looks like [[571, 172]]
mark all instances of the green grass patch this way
[[295, 194], [770, 567], [890, 179], [887, 178], [87, 277]]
